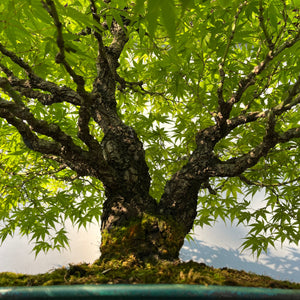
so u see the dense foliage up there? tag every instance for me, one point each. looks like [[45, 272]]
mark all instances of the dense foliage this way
[[188, 66]]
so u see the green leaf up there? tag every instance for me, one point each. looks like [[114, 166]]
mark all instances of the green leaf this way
[[296, 3], [187, 4], [168, 17], [153, 9], [178, 61], [139, 6]]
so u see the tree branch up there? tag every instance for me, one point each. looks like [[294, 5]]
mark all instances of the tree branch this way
[[263, 26], [26, 87], [19, 61], [137, 87], [39, 126], [258, 93], [236, 166], [287, 104], [224, 108], [284, 18], [5, 85], [253, 116], [119, 41], [29, 138], [203, 164], [20, 116], [289, 101], [61, 148], [288, 44], [104, 86], [60, 57], [94, 11], [84, 132], [289, 134], [262, 184], [250, 79]]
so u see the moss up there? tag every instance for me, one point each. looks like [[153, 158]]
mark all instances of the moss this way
[[126, 252], [149, 236], [7, 278], [137, 272]]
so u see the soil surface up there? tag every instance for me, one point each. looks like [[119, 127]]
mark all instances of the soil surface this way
[[133, 272]]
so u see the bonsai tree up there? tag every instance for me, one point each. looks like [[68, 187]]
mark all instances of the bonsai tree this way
[[153, 116]]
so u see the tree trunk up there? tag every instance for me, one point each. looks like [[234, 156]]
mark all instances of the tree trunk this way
[[146, 237], [133, 225]]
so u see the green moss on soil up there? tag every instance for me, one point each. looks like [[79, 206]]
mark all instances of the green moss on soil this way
[[133, 272]]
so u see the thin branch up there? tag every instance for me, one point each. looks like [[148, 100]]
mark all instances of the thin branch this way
[[289, 134], [137, 87], [84, 132], [256, 93], [128, 84], [77, 177], [29, 138], [250, 78], [16, 59], [263, 26], [94, 11], [282, 29], [253, 116], [26, 87], [60, 57], [7, 88], [288, 44], [262, 184], [98, 36], [32, 175], [207, 185], [289, 101], [236, 166], [39, 126], [224, 109], [207, 138]]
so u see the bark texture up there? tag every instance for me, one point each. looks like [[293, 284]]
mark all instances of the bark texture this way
[[133, 223]]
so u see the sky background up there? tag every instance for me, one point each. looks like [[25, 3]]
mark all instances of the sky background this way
[[217, 246]]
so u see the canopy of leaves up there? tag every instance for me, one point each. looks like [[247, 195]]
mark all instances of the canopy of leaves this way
[[183, 62]]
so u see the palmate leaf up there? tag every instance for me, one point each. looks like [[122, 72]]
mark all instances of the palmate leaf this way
[[152, 15], [180, 59], [168, 16]]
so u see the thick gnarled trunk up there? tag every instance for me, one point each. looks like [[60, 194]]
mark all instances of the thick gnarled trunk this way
[[133, 223], [148, 238]]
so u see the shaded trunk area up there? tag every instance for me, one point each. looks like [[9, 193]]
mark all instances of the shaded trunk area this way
[[147, 238], [135, 226], [133, 223]]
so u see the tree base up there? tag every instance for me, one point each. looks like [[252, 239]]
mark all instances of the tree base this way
[[148, 239]]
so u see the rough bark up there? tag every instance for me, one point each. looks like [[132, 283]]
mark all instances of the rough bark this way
[[133, 223]]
